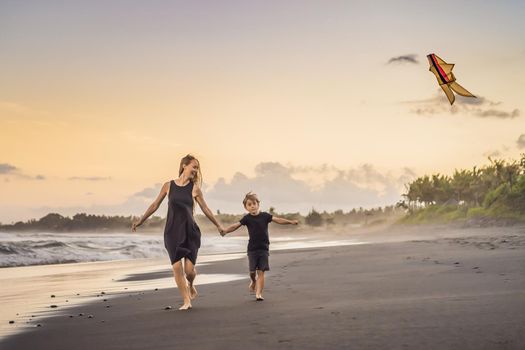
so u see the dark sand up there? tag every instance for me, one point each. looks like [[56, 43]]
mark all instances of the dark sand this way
[[459, 293]]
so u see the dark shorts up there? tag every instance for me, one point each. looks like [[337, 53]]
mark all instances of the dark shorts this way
[[258, 261]]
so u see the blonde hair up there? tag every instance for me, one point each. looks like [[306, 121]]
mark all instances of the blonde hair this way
[[250, 196], [187, 160]]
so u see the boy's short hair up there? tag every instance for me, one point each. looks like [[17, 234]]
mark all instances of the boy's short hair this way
[[250, 196]]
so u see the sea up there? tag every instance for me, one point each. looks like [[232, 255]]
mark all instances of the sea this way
[[43, 248]]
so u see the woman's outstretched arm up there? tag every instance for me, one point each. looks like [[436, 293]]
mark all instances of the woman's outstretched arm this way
[[153, 207], [199, 197]]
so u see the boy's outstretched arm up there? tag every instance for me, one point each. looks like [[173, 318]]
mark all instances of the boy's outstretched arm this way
[[231, 228], [283, 221]]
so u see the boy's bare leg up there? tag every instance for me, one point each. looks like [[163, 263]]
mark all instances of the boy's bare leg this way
[[259, 285], [252, 282], [191, 273], [178, 273]]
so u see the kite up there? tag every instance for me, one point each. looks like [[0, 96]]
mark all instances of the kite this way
[[446, 79]]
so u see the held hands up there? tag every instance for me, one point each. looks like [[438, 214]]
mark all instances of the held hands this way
[[135, 224], [221, 230]]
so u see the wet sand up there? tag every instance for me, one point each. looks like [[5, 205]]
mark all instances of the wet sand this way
[[32, 293], [462, 289]]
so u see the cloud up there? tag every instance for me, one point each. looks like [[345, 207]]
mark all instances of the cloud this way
[[6, 168], [404, 59], [11, 170], [89, 178], [290, 189], [29, 177], [479, 107], [498, 114], [521, 141]]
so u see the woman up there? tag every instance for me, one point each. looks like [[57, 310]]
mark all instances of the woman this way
[[182, 236]]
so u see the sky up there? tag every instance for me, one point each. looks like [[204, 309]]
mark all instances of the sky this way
[[310, 104]]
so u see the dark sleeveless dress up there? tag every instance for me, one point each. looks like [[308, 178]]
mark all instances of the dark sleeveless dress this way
[[182, 236]]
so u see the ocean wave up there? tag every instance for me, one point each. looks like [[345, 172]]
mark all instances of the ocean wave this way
[[19, 250], [23, 249], [7, 249], [49, 244]]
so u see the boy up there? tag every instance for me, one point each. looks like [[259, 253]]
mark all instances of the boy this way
[[258, 245]]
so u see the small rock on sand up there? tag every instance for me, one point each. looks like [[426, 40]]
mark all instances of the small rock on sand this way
[[167, 308], [11, 322]]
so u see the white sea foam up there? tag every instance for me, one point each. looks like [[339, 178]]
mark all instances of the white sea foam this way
[[22, 249]]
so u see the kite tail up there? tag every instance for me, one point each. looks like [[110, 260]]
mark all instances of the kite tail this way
[[449, 93], [460, 90]]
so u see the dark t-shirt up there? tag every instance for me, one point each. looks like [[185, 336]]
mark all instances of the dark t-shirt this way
[[258, 230]]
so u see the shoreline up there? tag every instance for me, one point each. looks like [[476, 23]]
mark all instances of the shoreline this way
[[107, 276]]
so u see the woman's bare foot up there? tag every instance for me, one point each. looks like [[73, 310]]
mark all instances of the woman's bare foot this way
[[193, 292], [186, 306], [251, 287], [259, 297]]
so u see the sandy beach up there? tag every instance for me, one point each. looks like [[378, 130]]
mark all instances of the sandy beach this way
[[408, 288]]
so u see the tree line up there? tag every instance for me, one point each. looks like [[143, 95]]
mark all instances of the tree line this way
[[83, 222], [497, 189]]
